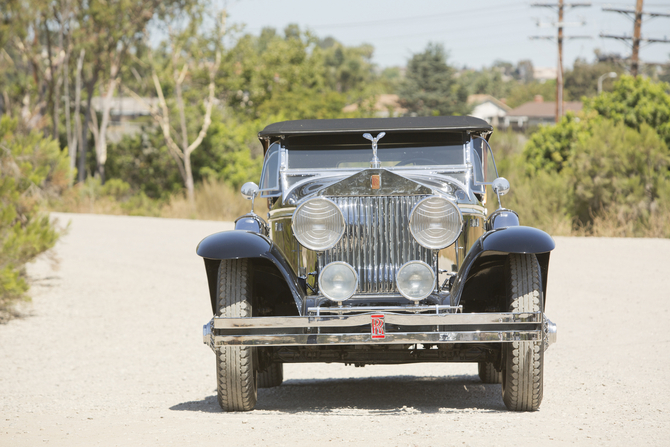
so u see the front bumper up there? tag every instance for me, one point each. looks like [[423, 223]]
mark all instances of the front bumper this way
[[366, 329]]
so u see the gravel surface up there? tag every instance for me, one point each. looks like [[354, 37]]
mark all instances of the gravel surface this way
[[110, 353]]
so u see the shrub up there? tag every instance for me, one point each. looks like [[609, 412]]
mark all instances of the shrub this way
[[32, 169], [620, 173]]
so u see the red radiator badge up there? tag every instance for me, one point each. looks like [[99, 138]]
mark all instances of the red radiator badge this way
[[376, 181], [377, 326]]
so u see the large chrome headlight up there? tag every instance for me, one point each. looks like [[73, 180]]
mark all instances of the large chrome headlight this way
[[318, 224], [435, 222]]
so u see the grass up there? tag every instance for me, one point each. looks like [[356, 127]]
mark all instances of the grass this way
[[213, 201]]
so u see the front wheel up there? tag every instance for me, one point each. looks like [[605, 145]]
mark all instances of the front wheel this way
[[523, 361], [235, 365]]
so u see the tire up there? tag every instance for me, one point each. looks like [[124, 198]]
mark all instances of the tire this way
[[272, 376], [488, 373], [523, 362], [236, 376]]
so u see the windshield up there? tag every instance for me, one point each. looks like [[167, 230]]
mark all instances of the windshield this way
[[395, 150]]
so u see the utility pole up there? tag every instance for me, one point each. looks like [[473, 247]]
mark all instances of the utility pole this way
[[637, 27], [634, 41], [560, 6]]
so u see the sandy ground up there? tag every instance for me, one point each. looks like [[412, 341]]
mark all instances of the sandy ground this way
[[110, 353]]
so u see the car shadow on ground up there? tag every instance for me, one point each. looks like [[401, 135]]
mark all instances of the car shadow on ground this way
[[373, 395]]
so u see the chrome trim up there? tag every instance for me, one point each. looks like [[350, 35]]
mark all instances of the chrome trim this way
[[319, 321], [377, 240], [414, 309], [443, 328], [366, 339], [550, 333]]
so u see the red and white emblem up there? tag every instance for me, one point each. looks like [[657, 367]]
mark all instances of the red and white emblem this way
[[377, 326]]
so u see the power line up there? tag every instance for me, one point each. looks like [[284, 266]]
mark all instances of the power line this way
[[560, 6], [634, 41]]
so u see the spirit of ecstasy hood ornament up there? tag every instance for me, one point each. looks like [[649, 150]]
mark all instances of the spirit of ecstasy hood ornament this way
[[374, 163]]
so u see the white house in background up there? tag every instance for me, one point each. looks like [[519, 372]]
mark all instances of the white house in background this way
[[544, 74], [126, 115], [488, 108], [387, 105]]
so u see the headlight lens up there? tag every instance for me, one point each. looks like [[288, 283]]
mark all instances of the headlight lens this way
[[338, 281], [318, 224], [415, 280], [435, 222]]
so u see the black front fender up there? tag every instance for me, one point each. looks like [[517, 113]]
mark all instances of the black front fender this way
[[239, 244], [481, 274]]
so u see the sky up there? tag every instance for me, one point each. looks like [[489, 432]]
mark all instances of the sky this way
[[475, 32]]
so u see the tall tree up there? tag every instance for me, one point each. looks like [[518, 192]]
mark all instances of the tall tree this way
[[430, 87], [107, 31], [191, 58]]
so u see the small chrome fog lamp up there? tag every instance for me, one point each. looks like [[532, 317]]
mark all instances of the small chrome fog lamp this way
[[338, 281], [415, 280]]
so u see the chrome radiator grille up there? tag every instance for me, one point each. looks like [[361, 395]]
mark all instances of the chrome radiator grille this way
[[377, 240]]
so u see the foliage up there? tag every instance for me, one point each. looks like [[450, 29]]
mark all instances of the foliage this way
[[550, 147], [582, 79], [610, 161], [619, 169], [114, 197], [294, 76], [32, 168], [636, 101], [523, 93], [430, 88]]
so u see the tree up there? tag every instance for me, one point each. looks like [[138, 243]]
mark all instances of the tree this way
[[106, 31], [582, 80], [291, 76], [430, 88], [636, 101], [194, 56]]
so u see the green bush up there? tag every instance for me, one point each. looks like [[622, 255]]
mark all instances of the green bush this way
[[621, 172], [32, 169]]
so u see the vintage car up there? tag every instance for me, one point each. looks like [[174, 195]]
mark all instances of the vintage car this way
[[378, 248]]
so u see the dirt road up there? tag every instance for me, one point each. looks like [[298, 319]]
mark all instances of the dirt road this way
[[111, 354]]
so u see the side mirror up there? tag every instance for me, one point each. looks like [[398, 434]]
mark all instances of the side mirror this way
[[500, 187], [250, 191]]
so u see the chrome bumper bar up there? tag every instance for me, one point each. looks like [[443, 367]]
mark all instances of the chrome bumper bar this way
[[352, 330]]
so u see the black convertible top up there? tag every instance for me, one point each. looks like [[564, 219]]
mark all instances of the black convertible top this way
[[352, 125]]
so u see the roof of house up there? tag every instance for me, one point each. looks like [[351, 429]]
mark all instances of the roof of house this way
[[544, 109], [384, 102], [480, 99]]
